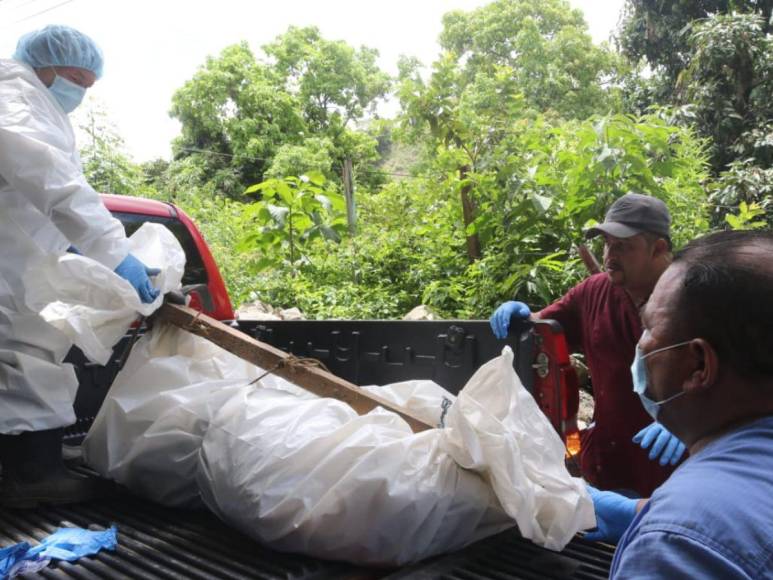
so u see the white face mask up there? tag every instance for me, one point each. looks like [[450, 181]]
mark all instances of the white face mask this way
[[641, 378], [68, 94]]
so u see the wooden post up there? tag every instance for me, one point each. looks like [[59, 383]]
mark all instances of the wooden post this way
[[348, 179], [588, 259], [468, 212], [311, 378]]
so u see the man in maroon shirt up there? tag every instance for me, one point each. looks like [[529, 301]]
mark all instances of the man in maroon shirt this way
[[600, 317]]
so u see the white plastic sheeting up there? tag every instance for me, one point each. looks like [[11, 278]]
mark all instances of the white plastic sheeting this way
[[93, 305], [183, 425]]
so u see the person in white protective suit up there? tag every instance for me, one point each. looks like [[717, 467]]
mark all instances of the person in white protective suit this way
[[46, 208]]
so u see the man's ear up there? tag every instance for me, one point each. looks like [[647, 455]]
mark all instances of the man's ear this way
[[705, 361], [659, 248]]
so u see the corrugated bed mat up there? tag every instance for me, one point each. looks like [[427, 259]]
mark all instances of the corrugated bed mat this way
[[156, 542], [507, 556]]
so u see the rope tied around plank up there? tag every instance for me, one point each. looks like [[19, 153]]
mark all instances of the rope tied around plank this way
[[293, 363], [197, 325]]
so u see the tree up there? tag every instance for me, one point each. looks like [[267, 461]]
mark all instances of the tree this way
[[107, 168], [546, 48], [507, 60], [334, 83], [292, 212], [728, 86], [234, 118], [337, 86], [659, 31], [713, 59]]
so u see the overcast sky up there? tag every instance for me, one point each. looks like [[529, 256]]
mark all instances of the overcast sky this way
[[152, 47]]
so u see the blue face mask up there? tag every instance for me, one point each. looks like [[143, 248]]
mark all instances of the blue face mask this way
[[67, 93], [641, 378]]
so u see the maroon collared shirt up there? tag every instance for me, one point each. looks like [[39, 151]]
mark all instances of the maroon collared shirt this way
[[601, 320]]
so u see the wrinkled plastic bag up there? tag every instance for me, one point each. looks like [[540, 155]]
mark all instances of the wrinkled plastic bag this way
[[188, 424], [93, 305], [183, 426]]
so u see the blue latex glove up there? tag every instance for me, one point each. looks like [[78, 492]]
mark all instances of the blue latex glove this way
[[69, 544], [64, 544], [614, 513], [137, 273], [666, 445], [500, 320]]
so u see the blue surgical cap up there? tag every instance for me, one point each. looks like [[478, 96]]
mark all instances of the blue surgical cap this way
[[57, 45]]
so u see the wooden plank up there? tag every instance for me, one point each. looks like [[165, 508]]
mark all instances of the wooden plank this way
[[299, 372], [588, 259]]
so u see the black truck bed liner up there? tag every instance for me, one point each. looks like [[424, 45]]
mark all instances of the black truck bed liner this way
[[155, 542]]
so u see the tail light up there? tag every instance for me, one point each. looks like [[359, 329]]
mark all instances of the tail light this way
[[556, 386]]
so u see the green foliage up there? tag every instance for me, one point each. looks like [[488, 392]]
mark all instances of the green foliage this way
[[106, 167], [517, 119], [244, 120], [544, 47], [292, 212], [549, 181], [334, 82], [747, 217], [727, 85], [743, 183], [555, 180], [313, 155], [712, 58], [410, 236], [660, 31], [234, 119]]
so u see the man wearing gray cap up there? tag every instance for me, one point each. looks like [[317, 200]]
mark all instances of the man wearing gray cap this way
[[47, 207], [600, 317]]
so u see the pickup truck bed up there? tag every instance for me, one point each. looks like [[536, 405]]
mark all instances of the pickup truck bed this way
[[156, 542]]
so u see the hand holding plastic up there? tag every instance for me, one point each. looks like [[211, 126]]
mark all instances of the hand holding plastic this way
[[500, 320], [136, 273], [661, 443], [614, 513]]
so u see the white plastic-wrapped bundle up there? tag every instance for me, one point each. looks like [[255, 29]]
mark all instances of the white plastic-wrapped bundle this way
[[187, 423]]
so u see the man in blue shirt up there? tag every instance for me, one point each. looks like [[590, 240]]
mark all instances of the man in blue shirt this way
[[704, 369]]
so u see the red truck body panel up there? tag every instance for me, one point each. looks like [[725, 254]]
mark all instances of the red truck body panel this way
[[222, 309]]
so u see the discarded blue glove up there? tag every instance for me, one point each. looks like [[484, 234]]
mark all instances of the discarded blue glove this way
[[64, 544], [11, 557], [614, 513], [137, 273], [72, 543], [666, 445], [500, 320]]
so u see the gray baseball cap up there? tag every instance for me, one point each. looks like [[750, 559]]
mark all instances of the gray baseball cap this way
[[634, 214]]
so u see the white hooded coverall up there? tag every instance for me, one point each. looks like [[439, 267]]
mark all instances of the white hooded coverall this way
[[46, 205]]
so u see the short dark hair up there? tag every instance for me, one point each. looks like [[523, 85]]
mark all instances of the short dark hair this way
[[726, 297], [652, 237]]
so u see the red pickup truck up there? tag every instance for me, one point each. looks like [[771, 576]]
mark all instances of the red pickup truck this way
[[157, 542]]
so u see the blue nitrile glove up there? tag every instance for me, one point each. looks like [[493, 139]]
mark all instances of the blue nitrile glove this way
[[74, 250], [667, 446], [500, 320], [614, 513], [137, 273], [69, 544]]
